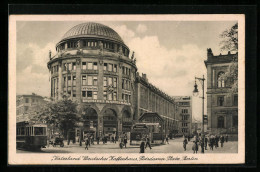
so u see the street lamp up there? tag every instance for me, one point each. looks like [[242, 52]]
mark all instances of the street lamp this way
[[195, 93]]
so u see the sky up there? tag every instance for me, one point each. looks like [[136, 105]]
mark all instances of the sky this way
[[171, 53]]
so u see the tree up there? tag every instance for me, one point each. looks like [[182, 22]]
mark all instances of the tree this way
[[229, 39], [230, 43], [61, 114]]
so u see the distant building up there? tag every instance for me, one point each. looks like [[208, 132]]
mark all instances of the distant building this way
[[184, 114], [28, 105], [222, 108]]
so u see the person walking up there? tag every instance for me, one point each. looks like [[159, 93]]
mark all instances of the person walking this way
[[216, 141], [125, 140], [222, 140], [142, 146], [185, 142], [98, 140], [226, 138], [86, 143], [89, 141], [195, 147], [147, 140], [167, 139], [206, 142]]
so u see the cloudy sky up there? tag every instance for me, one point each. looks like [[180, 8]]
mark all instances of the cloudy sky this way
[[171, 53]]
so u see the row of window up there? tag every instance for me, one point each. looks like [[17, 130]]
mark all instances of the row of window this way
[[126, 84], [184, 130], [54, 69], [126, 70], [184, 124], [185, 117], [184, 111], [26, 101], [221, 100], [92, 43], [221, 121]]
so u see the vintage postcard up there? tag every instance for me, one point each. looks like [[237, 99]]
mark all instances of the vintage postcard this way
[[126, 89]]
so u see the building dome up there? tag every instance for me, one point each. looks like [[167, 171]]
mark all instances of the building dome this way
[[94, 30]]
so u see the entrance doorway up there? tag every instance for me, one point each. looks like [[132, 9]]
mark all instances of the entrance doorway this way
[[110, 123], [90, 117]]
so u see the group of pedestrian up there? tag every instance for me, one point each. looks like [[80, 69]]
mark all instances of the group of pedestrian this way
[[123, 141], [215, 139], [89, 140], [145, 143]]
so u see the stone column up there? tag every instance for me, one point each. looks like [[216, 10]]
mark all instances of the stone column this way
[[100, 79], [60, 95], [120, 78], [78, 80]]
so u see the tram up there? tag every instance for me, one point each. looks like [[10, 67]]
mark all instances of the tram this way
[[31, 136]]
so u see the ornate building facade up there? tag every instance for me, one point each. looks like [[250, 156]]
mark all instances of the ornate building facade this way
[[222, 105], [92, 66]]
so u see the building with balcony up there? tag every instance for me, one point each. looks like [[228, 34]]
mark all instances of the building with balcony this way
[[92, 66], [222, 105], [184, 114]]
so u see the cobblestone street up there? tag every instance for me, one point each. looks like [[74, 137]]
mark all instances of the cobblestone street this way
[[174, 146]]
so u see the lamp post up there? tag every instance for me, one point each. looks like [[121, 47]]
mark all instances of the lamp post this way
[[195, 93]]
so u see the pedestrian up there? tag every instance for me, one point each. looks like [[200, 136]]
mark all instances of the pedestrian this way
[[202, 143], [113, 139], [125, 140], [98, 140], [86, 143], [206, 142], [216, 141], [142, 146], [195, 147], [121, 143], [226, 138], [212, 142], [167, 139], [89, 140], [147, 139], [185, 142], [222, 140]]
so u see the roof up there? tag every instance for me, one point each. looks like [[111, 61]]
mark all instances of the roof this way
[[94, 30]]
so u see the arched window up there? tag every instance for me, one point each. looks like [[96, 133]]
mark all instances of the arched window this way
[[220, 122], [221, 81]]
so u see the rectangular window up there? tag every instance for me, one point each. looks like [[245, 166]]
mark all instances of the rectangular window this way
[[123, 84], [95, 80], [115, 68], [74, 66], [105, 81], [83, 93], [123, 70], [184, 110], [95, 65], [95, 95], [84, 65], [90, 80], [235, 121], [90, 66], [110, 67], [84, 80], [26, 100], [126, 97], [235, 100], [74, 93], [88, 44], [110, 81], [70, 66], [64, 81], [84, 43], [109, 96], [89, 94], [115, 82], [74, 81], [115, 96], [69, 80], [105, 95], [220, 100], [105, 66], [123, 97]]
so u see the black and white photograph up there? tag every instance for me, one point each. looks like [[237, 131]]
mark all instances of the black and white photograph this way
[[128, 89]]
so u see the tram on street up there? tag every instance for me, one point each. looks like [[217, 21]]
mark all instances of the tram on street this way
[[31, 136]]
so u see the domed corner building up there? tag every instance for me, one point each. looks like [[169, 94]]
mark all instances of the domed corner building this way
[[92, 66]]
